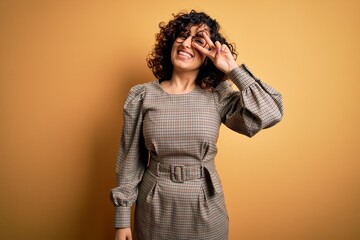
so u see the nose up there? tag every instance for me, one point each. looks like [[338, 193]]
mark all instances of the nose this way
[[187, 42]]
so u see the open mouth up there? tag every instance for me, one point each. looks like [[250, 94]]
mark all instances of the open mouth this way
[[185, 54]]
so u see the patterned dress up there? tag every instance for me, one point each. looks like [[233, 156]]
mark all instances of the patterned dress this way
[[166, 156]]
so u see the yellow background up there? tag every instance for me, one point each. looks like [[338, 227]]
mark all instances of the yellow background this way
[[66, 67]]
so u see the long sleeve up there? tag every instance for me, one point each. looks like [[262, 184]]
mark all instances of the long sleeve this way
[[131, 160], [254, 107]]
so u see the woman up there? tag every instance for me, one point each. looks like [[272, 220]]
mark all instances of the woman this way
[[171, 125]]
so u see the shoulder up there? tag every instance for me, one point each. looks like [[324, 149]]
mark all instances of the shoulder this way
[[143, 87], [138, 91]]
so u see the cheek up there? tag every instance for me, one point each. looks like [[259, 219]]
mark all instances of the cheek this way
[[200, 56]]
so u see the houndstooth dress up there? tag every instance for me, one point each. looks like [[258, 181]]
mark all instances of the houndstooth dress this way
[[166, 156]]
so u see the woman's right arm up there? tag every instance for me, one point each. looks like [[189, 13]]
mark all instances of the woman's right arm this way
[[123, 234], [131, 160]]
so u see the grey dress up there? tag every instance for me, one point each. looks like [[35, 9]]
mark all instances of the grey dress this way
[[166, 155]]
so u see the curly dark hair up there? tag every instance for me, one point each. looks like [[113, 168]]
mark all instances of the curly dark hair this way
[[159, 59]]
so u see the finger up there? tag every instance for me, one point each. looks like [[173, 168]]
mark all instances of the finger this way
[[203, 50], [225, 48], [218, 47], [208, 40]]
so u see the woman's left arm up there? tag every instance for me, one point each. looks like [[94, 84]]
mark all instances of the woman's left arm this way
[[255, 106]]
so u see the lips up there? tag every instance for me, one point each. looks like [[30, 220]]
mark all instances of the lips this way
[[185, 54]]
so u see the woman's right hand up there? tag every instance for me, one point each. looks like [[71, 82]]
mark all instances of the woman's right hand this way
[[123, 234]]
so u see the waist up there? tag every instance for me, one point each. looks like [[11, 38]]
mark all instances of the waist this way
[[181, 173]]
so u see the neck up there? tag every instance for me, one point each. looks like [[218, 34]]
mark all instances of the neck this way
[[183, 81]]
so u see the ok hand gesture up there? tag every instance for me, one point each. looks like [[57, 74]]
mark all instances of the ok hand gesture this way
[[219, 54]]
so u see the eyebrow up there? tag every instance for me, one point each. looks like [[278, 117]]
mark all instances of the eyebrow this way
[[198, 34], [204, 30]]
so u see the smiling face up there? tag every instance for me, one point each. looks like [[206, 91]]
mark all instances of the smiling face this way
[[184, 56]]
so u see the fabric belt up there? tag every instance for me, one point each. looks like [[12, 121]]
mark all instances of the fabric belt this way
[[177, 173]]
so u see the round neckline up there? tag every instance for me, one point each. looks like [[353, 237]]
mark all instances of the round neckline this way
[[175, 94]]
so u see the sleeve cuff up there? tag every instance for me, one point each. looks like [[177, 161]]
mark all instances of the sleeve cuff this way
[[122, 217], [242, 77]]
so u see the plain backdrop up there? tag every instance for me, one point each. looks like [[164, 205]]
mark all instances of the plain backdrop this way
[[66, 67]]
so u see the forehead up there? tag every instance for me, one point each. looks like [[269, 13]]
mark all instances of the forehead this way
[[199, 28]]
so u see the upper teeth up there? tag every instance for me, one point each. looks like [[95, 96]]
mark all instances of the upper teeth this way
[[184, 54]]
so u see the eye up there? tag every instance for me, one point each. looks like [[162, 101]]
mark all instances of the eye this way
[[200, 41], [183, 35]]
